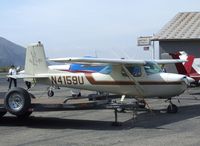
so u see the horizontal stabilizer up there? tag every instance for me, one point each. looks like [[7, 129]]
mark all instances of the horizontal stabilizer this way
[[26, 76], [170, 61]]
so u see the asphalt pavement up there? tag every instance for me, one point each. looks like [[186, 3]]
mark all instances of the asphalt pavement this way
[[94, 127]]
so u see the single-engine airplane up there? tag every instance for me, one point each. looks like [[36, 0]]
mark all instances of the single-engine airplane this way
[[137, 78]]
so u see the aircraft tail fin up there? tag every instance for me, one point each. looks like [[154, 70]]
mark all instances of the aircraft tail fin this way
[[188, 64], [184, 68], [35, 62]]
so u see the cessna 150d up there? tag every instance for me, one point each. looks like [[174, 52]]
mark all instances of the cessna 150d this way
[[137, 78]]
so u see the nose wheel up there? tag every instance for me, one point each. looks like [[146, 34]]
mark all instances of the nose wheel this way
[[172, 108], [142, 103]]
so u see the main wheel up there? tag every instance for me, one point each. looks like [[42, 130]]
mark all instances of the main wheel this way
[[50, 93], [172, 108], [17, 101]]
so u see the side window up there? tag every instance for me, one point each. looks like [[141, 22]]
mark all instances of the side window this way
[[135, 70]]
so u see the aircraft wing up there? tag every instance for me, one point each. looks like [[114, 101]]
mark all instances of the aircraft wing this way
[[170, 61], [98, 61], [113, 61]]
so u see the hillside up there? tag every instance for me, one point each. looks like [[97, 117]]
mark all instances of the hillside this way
[[11, 53]]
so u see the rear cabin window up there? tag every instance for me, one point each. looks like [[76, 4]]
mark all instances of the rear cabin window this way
[[106, 70]]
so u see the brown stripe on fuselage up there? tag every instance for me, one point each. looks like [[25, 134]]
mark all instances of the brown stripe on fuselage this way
[[92, 81], [159, 83]]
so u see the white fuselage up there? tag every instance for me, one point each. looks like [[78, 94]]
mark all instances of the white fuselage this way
[[156, 85], [130, 77]]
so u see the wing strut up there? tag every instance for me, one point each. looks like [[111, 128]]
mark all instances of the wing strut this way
[[137, 86]]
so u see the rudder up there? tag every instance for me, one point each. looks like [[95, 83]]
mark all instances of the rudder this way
[[35, 59]]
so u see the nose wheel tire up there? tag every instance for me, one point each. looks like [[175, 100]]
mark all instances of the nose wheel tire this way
[[141, 103], [50, 93], [17, 101], [172, 108], [120, 109]]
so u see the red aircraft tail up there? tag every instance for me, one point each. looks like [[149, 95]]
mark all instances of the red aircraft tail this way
[[184, 68]]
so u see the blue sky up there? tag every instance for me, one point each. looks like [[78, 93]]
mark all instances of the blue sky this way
[[82, 27]]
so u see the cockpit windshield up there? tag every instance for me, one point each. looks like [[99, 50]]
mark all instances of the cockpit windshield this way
[[152, 68]]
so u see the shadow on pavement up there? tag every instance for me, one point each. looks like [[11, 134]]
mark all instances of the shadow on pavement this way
[[144, 120], [157, 119], [58, 123]]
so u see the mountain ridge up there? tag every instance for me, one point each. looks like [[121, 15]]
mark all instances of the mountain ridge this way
[[11, 53]]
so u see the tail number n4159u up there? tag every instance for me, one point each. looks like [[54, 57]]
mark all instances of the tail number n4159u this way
[[67, 80]]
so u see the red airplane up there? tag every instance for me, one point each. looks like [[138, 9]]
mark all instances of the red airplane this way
[[190, 68]]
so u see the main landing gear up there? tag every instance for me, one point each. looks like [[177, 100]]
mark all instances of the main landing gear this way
[[172, 108]]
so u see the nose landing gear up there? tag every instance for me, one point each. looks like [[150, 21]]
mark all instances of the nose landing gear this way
[[172, 108]]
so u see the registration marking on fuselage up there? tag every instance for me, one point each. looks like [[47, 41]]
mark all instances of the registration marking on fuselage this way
[[67, 80]]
